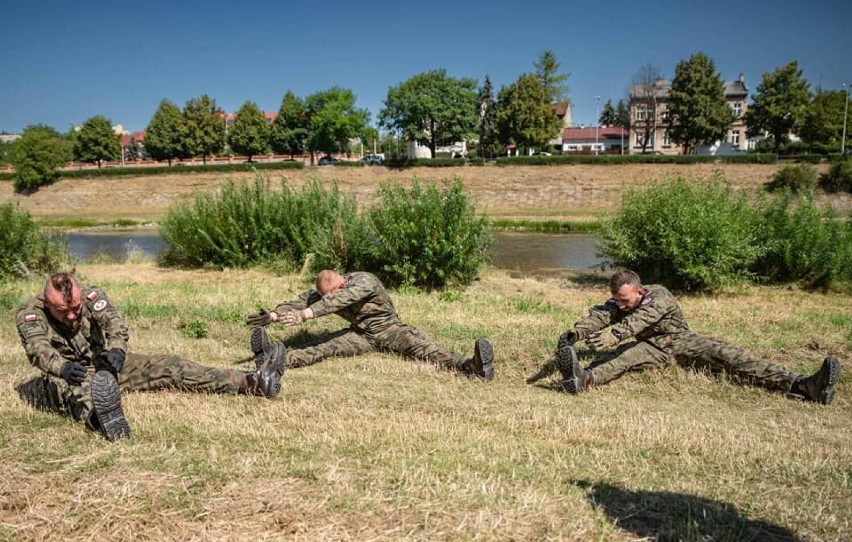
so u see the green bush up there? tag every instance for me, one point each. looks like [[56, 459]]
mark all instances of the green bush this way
[[37, 156], [798, 178], [690, 236], [427, 236], [249, 224], [839, 177], [25, 248], [801, 243], [179, 169]]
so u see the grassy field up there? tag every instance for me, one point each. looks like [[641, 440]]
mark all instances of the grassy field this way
[[568, 193], [379, 448]]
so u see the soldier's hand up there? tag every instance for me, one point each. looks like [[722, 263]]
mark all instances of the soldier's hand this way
[[294, 317], [73, 373], [115, 359], [602, 340], [261, 319]]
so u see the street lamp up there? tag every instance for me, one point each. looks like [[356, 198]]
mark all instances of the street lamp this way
[[845, 115], [598, 121]]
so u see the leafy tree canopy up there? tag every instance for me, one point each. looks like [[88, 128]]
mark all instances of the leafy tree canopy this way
[[163, 134], [203, 128], [290, 128], [779, 104], [554, 83], [96, 142], [822, 121], [333, 119], [37, 156], [250, 133], [524, 115]]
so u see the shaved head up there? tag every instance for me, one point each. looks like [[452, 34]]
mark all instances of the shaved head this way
[[328, 280], [64, 300]]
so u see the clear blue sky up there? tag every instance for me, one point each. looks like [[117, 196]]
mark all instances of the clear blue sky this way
[[63, 62]]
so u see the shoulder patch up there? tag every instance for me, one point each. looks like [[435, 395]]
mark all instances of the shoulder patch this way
[[31, 317], [100, 305], [648, 299], [92, 295]]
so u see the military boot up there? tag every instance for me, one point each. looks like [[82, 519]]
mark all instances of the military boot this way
[[819, 387], [481, 364], [575, 377], [266, 379], [106, 398], [260, 345]]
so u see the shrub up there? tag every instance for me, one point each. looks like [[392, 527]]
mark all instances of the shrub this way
[[427, 236], [25, 248], [839, 177], [801, 243], [799, 178], [691, 236]]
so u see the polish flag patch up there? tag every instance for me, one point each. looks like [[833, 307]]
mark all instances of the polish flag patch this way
[[92, 296], [30, 317]]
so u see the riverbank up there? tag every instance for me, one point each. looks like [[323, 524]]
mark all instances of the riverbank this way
[[380, 448], [563, 194]]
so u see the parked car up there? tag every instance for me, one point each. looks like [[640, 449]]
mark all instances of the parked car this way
[[372, 160], [328, 161]]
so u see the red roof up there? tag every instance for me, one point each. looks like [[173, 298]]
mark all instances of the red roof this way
[[585, 134], [138, 136], [560, 108]]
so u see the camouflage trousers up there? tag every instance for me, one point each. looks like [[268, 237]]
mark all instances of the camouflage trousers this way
[[143, 372], [693, 350], [398, 338]]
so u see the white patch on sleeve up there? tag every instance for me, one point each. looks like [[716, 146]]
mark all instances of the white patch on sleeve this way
[[100, 305]]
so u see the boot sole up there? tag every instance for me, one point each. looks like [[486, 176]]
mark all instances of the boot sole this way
[[278, 356], [106, 398], [827, 394], [566, 360], [483, 351], [259, 345]]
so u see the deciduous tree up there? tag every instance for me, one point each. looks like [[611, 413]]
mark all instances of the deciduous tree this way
[[432, 109], [163, 134], [203, 128], [290, 128], [646, 87], [333, 119], [698, 112], [524, 115], [822, 121], [37, 156], [96, 142], [779, 104], [250, 134]]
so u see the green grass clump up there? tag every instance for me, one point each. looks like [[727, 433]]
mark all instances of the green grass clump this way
[[685, 235], [839, 177], [798, 178], [25, 248]]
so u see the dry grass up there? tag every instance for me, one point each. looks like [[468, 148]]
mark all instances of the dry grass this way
[[378, 448], [570, 192]]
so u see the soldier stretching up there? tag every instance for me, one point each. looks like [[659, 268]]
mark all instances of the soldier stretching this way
[[652, 316], [361, 299], [78, 338]]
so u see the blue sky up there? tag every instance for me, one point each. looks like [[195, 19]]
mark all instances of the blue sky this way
[[63, 62]]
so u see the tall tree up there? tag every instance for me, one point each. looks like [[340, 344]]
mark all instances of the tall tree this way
[[289, 133], [608, 115], [622, 115], [779, 104], [646, 88], [96, 142], [203, 128], [524, 115], [553, 82], [432, 109], [698, 111], [333, 120], [822, 121], [37, 156], [250, 133], [487, 124], [163, 134]]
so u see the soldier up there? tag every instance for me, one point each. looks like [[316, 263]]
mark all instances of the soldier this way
[[361, 299], [78, 338], [651, 315]]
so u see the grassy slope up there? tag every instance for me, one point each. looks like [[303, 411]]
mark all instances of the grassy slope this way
[[377, 448]]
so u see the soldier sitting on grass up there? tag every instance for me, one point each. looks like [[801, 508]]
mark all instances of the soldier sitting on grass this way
[[78, 338], [361, 299], [652, 316]]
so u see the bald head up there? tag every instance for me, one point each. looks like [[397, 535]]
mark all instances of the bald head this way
[[328, 280]]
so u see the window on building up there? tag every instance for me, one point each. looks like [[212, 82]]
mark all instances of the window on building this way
[[735, 137], [641, 112], [664, 112], [738, 109], [667, 139], [640, 138]]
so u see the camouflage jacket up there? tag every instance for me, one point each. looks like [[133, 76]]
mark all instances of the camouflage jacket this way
[[48, 348], [657, 317], [363, 302]]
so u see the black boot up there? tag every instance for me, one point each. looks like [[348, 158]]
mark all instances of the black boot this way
[[481, 364], [260, 345], [575, 377], [266, 379], [106, 398], [819, 387]]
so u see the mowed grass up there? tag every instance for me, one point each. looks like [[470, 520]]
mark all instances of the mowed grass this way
[[380, 448]]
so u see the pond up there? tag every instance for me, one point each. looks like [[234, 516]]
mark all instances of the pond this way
[[520, 253]]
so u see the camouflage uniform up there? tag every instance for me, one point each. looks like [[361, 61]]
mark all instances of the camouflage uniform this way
[[102, 328], [662, 335], [364, 303]]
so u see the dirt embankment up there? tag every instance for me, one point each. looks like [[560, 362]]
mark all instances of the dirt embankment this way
[[541, 192]]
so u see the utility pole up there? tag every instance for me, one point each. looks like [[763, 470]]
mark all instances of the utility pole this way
[[845, 115], [597, 121]]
